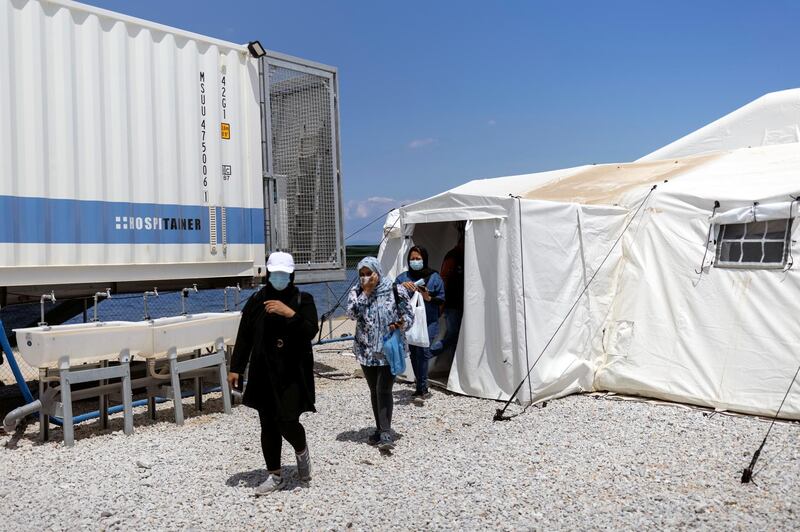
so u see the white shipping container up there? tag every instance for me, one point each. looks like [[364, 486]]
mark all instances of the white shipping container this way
[[129, 151]]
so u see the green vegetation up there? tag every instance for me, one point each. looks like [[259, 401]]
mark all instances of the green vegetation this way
[[358, 252]]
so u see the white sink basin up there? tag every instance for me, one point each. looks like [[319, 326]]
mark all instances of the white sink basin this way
[[82, 342], [91, 342], [192, 332]]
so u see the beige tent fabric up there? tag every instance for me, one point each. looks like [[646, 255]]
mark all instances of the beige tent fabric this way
[[607, 183]]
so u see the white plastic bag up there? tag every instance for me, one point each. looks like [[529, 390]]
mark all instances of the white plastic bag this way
[[418, 333]]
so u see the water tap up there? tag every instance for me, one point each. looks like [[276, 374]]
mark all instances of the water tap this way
[[184, 295], [45, 297], [153, 293], [98, 295], [236, 299]]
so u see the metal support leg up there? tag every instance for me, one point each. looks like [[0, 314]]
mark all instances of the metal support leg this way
[[199, 396], [223, 383], [176, 385], [151, 400], [127, 392], [104, 400], [66, 400], [328, 306], [44, 419], [198, 387], [151, 405], [228, 354]]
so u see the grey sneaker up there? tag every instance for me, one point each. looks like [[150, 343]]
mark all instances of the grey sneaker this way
[[304, 465], [386, 443], [273, 483]]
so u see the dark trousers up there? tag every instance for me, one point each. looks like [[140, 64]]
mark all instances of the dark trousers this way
[[271, 433], [380, 381], [420, 357], [453, 319]]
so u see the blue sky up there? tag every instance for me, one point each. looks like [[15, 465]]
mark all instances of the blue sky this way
[[435, 93]]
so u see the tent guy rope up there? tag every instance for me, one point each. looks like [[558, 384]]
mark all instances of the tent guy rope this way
[[500, 412], [326, 316], [747, 473], [708, 240], [790, 257]]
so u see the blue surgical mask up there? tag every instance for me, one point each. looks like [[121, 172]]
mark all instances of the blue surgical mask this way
[[416, 264], [279, 280]]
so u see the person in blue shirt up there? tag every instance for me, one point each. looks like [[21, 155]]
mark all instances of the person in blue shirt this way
[[421, 278]]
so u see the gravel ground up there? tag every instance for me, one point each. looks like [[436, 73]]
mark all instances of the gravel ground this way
[[583, 462]]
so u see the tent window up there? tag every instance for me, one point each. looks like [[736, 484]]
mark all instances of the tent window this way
[[754, 245]]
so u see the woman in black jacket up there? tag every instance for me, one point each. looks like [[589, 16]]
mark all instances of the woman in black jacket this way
[[275, 333]]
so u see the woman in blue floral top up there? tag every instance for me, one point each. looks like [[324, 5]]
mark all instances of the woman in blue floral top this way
[[378, 308]]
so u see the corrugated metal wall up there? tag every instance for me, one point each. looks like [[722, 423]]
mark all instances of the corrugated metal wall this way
[[120, 143]]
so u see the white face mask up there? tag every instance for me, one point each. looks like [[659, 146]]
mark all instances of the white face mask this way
[[365, 278]]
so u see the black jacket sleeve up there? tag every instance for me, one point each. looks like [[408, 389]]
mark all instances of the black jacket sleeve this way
[[305, 321], [244, 337]]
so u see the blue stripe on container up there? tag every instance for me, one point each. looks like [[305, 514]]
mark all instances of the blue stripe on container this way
[[25, 220]]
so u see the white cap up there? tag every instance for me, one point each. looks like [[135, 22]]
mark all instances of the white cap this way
[[280, 261]]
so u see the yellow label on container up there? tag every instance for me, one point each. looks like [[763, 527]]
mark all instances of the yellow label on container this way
[[226, 131]]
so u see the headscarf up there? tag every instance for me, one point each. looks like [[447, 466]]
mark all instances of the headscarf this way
[[384, 282], [425, 271], [381, 310]]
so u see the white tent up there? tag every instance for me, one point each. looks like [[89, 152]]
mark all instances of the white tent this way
[[772, 119], [648, 324]]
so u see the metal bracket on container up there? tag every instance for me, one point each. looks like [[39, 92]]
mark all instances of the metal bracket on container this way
[[212, 228], [224, 231]]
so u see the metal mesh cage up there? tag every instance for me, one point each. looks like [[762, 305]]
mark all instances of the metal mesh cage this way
[[302, 119]]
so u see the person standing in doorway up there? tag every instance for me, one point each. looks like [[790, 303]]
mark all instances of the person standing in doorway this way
[[277, 326], [379, 307], [422, 279], [453, 277]]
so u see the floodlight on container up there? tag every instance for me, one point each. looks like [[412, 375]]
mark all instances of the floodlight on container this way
[[256, 50]]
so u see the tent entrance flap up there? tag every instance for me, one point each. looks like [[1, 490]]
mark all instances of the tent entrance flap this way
[[484, 362], [438, 239]]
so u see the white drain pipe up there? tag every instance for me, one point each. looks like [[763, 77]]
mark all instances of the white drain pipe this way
[[12, 418]]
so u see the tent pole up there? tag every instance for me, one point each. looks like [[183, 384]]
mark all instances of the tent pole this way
[[524, 299]]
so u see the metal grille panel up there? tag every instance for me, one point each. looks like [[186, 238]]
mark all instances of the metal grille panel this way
[[302, 117], [276, 227]]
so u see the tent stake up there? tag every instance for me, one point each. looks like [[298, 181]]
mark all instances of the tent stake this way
[[747, 473]]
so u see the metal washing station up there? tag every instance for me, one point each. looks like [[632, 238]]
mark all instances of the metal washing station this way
[[189, 346]]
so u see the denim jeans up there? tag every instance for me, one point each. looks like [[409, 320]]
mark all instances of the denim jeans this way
[[421, 356]]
